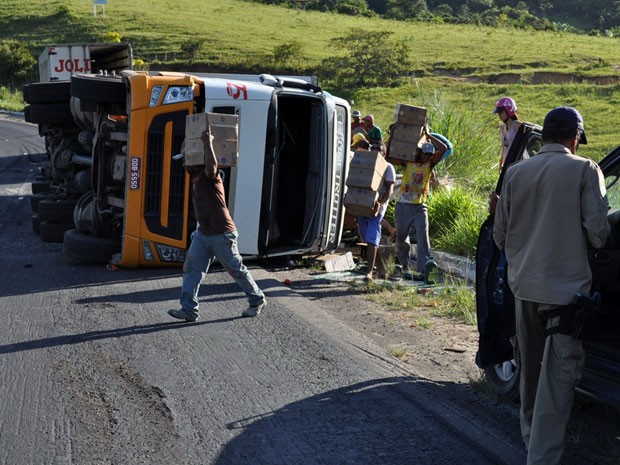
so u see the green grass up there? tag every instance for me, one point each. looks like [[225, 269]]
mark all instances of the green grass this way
[[11, 100], [455, 214], [454, 74], [454, 299], [237, 32]]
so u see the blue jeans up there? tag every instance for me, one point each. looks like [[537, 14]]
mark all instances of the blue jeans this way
[[203, 250]]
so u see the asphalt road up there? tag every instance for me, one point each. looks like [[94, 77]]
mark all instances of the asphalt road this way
[[93, 371]]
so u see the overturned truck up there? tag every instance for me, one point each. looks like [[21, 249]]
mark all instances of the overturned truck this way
[[112, 192]]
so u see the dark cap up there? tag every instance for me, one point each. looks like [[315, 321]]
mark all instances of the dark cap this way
[[566, 118]]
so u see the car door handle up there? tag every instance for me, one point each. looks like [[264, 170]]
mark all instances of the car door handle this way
[[600, 256]]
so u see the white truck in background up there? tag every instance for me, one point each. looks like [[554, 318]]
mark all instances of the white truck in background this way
[[60, 62]]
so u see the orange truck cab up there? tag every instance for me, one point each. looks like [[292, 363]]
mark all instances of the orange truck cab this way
[[130, 203]]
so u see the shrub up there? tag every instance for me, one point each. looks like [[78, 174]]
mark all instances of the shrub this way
[[369, 60], [66, 13], [140, 65], [112, 37], [455, 219], [191, 48], [289, 55], [476, 149], [445, 205], [11, 100], [16, 63]]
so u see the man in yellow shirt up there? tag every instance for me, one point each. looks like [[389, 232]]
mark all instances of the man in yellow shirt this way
[[410, 211]]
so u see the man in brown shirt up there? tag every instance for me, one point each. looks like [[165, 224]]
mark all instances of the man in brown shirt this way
[[552, 205], [216, 237]]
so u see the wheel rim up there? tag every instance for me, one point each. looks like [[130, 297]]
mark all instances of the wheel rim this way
[[505, 371]]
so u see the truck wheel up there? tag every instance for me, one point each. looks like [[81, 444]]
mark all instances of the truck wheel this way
[[47, 92], [56, 210], [51, 113], [52, 231], [87, 248], [100, 89], [39, 196], [504, 380]]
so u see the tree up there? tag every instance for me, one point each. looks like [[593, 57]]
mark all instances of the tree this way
[[16, 63], [407, 9], [371, 59], [289, 55], [191, 48]]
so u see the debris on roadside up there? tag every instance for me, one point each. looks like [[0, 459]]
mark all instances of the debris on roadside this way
[[337, 262]]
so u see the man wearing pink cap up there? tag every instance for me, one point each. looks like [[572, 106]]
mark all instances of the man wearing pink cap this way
[[374, 134]]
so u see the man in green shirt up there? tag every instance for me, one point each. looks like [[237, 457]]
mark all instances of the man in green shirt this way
[[374, 133]]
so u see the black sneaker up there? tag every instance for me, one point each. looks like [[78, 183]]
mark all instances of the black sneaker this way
[[254, 311], [182, 315]]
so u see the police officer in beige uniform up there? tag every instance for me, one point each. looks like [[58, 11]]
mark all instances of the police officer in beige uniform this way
[[552, 205]]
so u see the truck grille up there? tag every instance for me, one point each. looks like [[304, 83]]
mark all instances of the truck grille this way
[[156, 177]]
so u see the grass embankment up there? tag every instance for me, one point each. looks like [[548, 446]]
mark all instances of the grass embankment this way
[[458, 73]]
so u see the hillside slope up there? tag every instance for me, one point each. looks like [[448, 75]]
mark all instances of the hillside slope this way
[[244, 33]]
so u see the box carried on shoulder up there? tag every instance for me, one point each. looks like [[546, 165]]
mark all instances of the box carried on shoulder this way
[[406, 132], [224, 131], [410, 114], [404, 151]]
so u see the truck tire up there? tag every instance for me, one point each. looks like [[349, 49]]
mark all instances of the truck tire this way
[[56, 210], [100, 89], [84, 247], [47, 92], [53, 231], [51, 113], [503, 379], [39, 196]]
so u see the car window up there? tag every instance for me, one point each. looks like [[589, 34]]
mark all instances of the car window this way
[[613, 190], [532, 148]]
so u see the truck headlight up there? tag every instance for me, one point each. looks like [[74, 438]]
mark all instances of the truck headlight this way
[[170, 254], [177, 94], [146, 250], [155, 93]]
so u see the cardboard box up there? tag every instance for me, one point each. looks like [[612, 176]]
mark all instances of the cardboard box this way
[[360, 202], [224, 125], [406, 132], [401, 150], [225, 151], [336, 262], [224, 138], [410, 114], [366, 170]]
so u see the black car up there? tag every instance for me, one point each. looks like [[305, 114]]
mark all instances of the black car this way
[[495, 301]]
